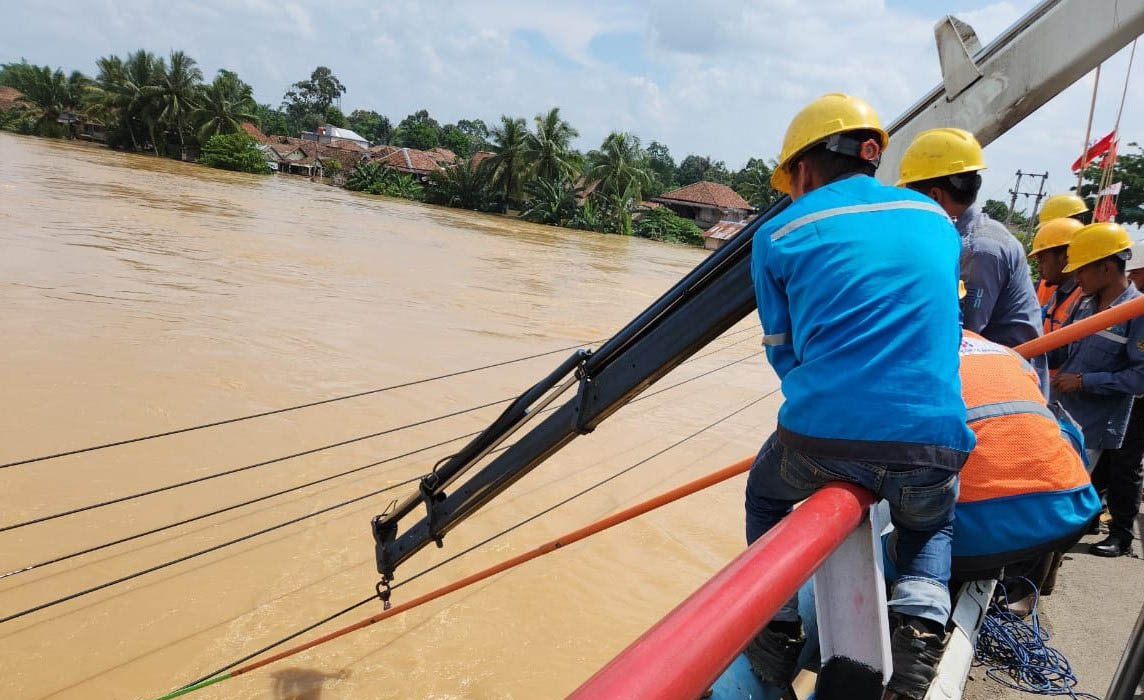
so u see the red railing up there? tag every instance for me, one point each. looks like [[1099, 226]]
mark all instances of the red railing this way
[[682, 655]]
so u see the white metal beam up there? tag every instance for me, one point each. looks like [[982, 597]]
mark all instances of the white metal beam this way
[[1050, 48]]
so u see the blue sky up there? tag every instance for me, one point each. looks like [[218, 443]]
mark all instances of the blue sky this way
[[719, 78]]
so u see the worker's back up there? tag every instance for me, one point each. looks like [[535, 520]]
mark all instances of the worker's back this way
[[1024, 489], [868, 352]]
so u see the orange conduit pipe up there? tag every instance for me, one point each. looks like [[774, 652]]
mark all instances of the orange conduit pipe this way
[[546, 548], [1086, 327]]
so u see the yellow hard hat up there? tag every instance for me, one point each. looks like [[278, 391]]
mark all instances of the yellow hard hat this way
[[834, 113], [941, 152], [1061, 205], [1096, 242], [1054, 234]]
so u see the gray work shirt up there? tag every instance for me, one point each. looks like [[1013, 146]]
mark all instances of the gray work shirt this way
[[1000, 301], [1111, 365]]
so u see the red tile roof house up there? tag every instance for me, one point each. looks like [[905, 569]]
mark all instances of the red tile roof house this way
[[706, 203], [410, 160]]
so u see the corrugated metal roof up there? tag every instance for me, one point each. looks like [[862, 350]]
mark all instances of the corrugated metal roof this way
[[724, 230], [337, 132]]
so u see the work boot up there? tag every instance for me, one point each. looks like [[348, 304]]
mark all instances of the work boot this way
[[915, 646], [1115, 545], [774, 651]]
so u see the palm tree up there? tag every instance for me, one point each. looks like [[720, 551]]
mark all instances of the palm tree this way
[[223, 106], [465, 186], [550, 201], [507, 164], [47, 94], [119, 93], [619, 166], [366, 176], [755, 185], [547, 150], [174, 96]]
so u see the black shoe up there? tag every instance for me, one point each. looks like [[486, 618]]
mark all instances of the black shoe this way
[[915, 647], [774, 651], [1112, 546]]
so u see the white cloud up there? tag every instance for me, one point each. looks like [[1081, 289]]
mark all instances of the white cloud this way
[[725, 76]]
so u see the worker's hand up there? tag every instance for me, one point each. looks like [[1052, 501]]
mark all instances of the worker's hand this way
[[1067, 383]]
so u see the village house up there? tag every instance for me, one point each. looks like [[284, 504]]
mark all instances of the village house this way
[[706, 203], [409, 160], [328, 134], [720, 233]]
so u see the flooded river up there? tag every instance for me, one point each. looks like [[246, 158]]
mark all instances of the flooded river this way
[[140, 295]]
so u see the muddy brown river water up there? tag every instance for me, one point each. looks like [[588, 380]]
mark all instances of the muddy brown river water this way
[[139, 295]]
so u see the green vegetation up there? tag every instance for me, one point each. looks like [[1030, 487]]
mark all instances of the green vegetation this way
[[662, 224], [374, 178], [234, 152], [162, 105]]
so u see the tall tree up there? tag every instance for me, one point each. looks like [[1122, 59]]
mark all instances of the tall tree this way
[[223, 106], [547, 149], [272, 121], [507, 164], [753, 183], [373, 126], [619, 165], [662, 167], [175, 95], [47, 93], [418, 130], [306, 102]]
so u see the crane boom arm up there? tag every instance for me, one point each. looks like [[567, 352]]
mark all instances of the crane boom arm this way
[[985, 90]]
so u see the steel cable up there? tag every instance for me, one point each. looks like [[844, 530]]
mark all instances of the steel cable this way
[[243, 538], [276, 460], [168, 526], [276, 411], [458, 555]]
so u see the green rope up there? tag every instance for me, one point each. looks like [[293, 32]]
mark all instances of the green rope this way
[[195, 686]]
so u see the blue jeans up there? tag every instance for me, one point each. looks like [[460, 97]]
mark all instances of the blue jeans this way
[[921, 502]]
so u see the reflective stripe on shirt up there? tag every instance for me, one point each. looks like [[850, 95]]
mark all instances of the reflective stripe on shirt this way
[[855, 209], [1007, 408]]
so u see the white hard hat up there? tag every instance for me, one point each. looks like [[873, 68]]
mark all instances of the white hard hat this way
[[1137, 260]]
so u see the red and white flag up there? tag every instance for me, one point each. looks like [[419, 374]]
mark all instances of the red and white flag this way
[[1112, 190], [1096, 150], [1105, 210]]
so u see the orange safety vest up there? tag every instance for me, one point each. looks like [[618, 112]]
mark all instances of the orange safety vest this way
[[1024, 488], [1057, 315], [1045, 292], [1019, 443]]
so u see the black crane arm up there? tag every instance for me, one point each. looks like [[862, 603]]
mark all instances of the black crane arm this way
[[701, 306]]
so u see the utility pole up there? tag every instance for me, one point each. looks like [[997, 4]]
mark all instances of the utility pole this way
[[1013, 201], [1040, 194]]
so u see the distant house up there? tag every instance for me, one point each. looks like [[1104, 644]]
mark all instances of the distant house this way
[[327, 134], [410, 160], [479, 157], [82, 128], [443, 156], [255, 133], [706, 203], [720, 233], [382, 150]]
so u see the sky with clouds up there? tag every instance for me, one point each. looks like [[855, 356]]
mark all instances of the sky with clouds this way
[[719, 78]]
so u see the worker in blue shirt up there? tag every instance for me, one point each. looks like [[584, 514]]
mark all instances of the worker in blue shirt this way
[[869, 368], [1000, 302], [1100, 375]]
